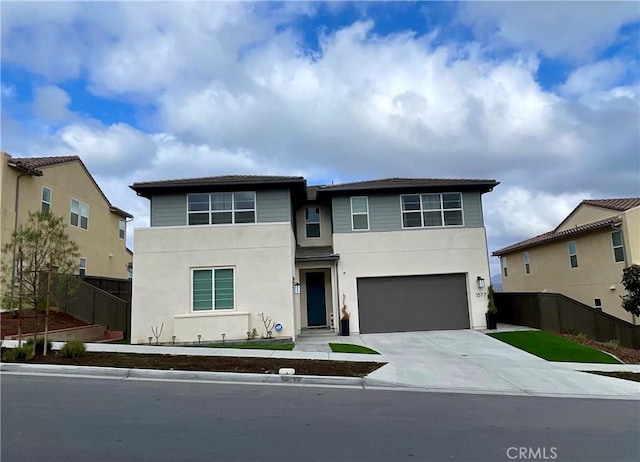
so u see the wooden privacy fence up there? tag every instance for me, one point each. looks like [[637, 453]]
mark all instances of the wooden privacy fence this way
[[558, 313], [91, 304]]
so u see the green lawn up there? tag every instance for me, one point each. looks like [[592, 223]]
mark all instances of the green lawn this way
[[248, 346], [348, 348], [554, 348]]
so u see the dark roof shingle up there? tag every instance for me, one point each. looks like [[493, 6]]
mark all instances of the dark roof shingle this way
[[321, 253], [408, 183], [39, 162]]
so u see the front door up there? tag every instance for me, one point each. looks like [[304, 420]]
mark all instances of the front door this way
[[316, 302]]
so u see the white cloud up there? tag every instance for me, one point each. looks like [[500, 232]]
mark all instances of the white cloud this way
[[574, 29], [594, 77], [51, 103]]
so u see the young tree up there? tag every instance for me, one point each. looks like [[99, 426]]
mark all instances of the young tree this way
[[42, 245], [631, 282]]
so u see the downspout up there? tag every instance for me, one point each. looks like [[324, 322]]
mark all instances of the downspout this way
[[336, 319], [15, 229], [616, 226]]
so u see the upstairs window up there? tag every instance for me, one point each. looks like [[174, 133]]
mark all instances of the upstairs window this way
[[527, 266], [46, 200], [312, 220], [122, 228], [503, 261], [573, 254], [618, 246], [79, 214], [431, 210], [360, 213], [221, 208]]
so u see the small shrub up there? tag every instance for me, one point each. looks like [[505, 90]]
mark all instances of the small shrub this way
[[581, 336], [73, 349], [39, 349], [571, 331], [18, 354], [613, 344]]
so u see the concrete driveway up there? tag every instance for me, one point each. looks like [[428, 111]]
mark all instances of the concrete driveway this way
[[470, 361]]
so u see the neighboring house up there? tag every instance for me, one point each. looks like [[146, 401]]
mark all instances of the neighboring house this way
[[582, 258], [401, 254], [64, 187]]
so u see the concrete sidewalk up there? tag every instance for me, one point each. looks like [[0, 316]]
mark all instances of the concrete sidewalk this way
[[440, 361]]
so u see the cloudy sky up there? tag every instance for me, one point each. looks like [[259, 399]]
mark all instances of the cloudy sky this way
[[542, 96]]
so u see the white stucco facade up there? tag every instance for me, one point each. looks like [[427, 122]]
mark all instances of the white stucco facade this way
[[411, 253], [262, 259]]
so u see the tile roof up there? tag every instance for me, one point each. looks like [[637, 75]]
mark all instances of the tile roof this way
[[557, 235], [399, 183], [620, 205], [316, 253], [39, 162]]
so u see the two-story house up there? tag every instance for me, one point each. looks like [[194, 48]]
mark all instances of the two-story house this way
[[582, 258], [401, 254], [63, 186]]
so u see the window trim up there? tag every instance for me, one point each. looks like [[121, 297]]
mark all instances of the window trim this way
[[80, 216], [307, 222], [527, 263], [621, 246], [213, 290], [122, 229], [232, 210], [42, 201], [575, 254], [596, 305], [504, 265], [422, 211], [81, 267], [353, 228]]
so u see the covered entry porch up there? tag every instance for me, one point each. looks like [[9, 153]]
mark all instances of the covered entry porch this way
[[317, 304]]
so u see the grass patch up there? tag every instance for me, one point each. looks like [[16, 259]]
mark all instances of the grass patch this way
[[554, 348], [248, 346], [349, 348]]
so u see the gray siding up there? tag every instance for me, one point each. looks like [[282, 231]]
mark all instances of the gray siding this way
[[171, 210], [273, 206], [385, 213]]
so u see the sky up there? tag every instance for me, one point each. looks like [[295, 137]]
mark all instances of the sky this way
[[541, 96]]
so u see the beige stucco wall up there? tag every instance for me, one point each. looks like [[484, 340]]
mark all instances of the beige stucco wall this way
[[414, 252], [586, 214], [325, 238], [262, 256], [551, 271], [100, 244], [631, 230]]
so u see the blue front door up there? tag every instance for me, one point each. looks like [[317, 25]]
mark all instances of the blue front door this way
[[316, 302]]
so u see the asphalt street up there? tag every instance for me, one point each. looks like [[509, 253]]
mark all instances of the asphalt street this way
[[87, 419]]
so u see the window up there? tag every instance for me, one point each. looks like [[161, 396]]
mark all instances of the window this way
[[221, 208], [360, 213], [83, 266], [122, 228], [503, 260], [46, 200], [597, 304], [426, 210], [79, 214], [573, 254], [527, 267], [618, 246], [312, 219], [213, 289]]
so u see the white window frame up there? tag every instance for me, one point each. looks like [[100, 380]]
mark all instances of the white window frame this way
[[422, 210], [82, 266], [505, 267], [122, 228], [366, 198], [232, 210], [307, 223], [596, 305], [574, 254], [213, 290], [527, 263], [621, 246], [43, 202], [80, 214]]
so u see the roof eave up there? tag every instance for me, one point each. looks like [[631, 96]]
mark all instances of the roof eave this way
[[29, 170]]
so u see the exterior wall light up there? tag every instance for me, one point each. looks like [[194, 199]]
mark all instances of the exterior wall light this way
[[480, 282], [296, 288]]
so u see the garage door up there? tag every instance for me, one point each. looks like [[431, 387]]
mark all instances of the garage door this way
[[413, 303]]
